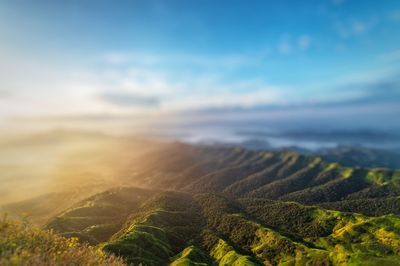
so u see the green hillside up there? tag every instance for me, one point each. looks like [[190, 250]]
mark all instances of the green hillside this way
[[231, 206], [180, 229], [23, 245]]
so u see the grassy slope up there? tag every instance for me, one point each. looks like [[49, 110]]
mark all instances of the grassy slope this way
[[22, 245], [273, 175], [175, 228], [251, 230], [162, 228], [97, 218], [191, 255]]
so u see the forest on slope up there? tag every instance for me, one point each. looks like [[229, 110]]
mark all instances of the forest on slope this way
[[184, 204]]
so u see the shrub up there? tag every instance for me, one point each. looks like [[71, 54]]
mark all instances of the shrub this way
[[21, 244]]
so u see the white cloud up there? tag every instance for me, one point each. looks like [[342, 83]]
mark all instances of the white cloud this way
[[394, 16], [285, 45], [115, 58], [222, 97], [391, 56], [304, 42], [153, 83], [195, 91], [285, 48], [338, 2], [353, 27], [358, 27], [227, 61], [291, 45]]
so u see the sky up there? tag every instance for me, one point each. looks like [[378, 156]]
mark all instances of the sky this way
[[316, 61]]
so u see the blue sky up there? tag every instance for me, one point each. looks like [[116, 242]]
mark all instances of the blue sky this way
[[80, 58]]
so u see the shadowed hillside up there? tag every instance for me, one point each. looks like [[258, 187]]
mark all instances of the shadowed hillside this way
[[205, 229], [203, 205]]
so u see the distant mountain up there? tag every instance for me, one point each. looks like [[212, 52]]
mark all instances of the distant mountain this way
[[255, 144], [362, 157], [345, 155], [224, 205], [344, 136], [316, 139], [339, 136]]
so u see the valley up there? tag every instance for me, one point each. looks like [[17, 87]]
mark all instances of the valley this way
[[202, 205]]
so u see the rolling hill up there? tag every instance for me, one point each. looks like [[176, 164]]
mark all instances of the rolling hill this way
[[201, 205]]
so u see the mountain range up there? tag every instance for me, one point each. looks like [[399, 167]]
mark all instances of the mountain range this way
[[204, 205]]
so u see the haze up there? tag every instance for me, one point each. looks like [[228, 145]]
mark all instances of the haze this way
[[196, 71]]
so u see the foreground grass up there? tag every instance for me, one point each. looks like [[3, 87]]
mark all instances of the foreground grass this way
[[24, 245]]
